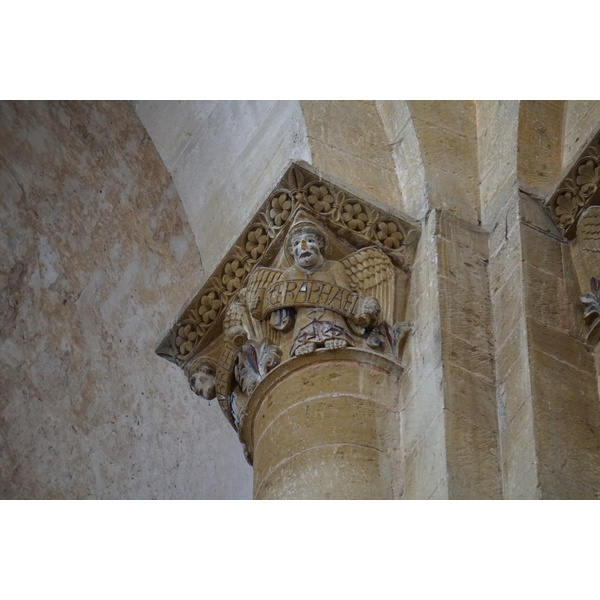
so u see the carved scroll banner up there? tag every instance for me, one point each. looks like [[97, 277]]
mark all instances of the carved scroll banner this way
[[302, 293]]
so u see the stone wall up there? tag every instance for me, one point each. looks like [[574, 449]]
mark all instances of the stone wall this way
[[499, 397], [97, 258]]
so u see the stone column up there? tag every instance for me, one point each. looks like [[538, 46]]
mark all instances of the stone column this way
[[299, 334], [322, 426]]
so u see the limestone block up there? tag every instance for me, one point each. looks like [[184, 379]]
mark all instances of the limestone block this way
[[425, 468], [471, 357], [523, 484], [324, 420], [499, 194], [457, 116], [414, 195], [465, 315], [497, 133], [353, 127], [423, 407], [448, 151], [174, 125], [514, 389], [532, 212], [497, 137], [464, 267], [546, 297], [556, 484], [519, 456], [567, 417], [505, 264], [540, 128], [582, 120], [462, 233], [542, 251], [375, 180], [559, 345], [473, 461], [395, 116], [509, 309], [470, 397], [503, 224], [450, 162], [331, 420]]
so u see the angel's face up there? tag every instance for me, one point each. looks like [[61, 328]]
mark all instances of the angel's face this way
[[306, 248], [203, 384]]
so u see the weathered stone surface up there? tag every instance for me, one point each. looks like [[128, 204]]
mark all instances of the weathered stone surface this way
[[497, 131], [217, 173], [508, 311], [499, 392], [582, 118], [541, 251], [567, 424], [96, 257], [470, 397], [322, 426], [463, 267], [539, 156], [520, 470], [546, 298], [425, 472], [465, 315], [468, 355], [473, 464]]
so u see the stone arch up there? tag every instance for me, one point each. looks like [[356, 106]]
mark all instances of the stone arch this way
[[406, 153], [447, 135], [348, 139], [539, 152]]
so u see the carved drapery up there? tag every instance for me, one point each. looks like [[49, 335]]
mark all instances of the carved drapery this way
[[318, 269]]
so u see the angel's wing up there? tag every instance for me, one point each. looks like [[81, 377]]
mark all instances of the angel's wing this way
[[371, 274], [260, 279], [588, 229]]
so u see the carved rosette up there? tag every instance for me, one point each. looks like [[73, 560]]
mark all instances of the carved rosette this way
[[578, 191], [229, 337]]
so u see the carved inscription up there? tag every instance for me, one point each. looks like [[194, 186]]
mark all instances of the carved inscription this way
[[302, 293]]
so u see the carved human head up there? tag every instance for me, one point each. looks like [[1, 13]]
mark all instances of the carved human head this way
[[306, 244], [202, 381]]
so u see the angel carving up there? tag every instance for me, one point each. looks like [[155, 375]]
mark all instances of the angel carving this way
[[328, 303]]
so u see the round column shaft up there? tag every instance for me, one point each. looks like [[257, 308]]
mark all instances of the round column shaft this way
[[322, 425]]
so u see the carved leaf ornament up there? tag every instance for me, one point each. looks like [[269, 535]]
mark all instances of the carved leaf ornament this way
[[577, 191], [298, 189], [591, 301]]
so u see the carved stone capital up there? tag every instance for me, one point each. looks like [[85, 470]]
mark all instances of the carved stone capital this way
[[579, 190], [318, 269]]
